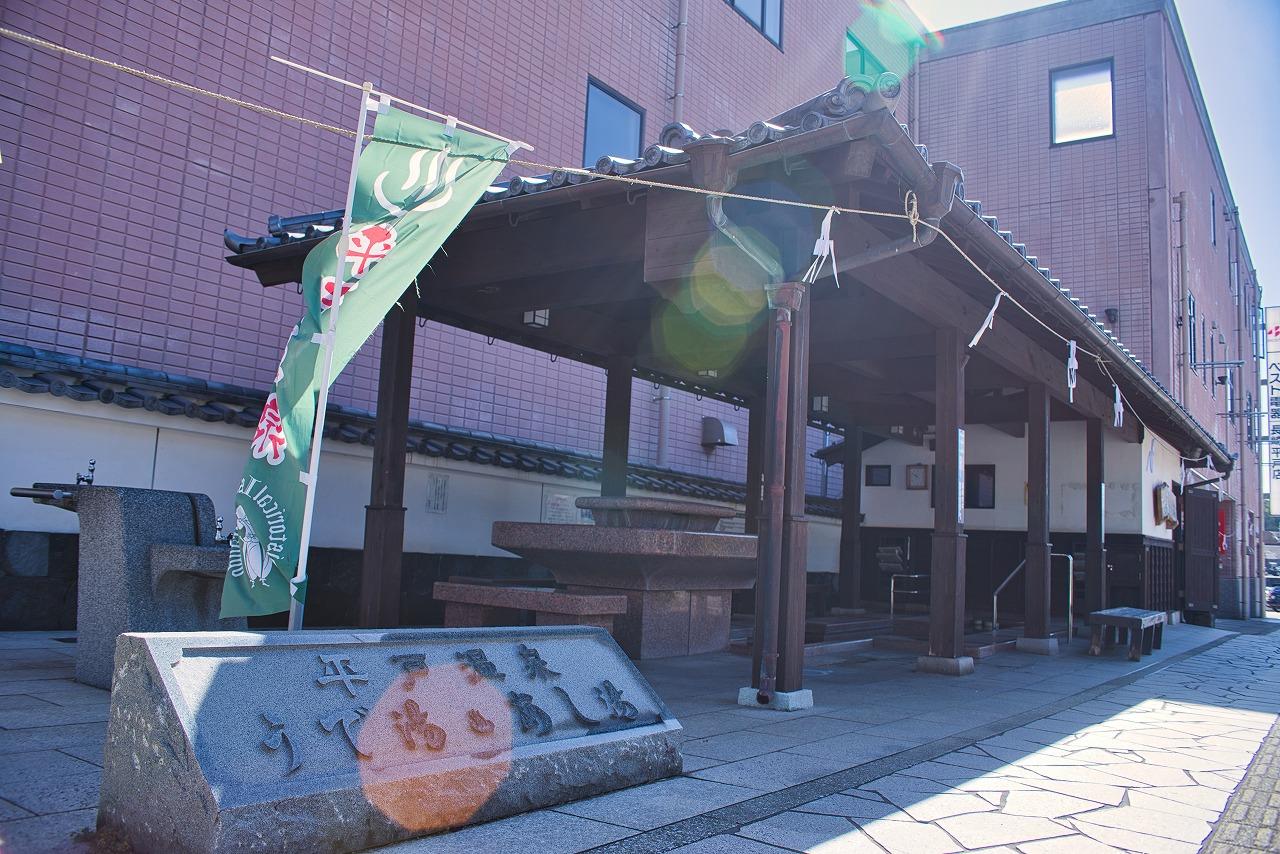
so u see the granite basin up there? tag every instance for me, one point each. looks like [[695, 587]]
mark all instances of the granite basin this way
[[678, 584], [660, 513]]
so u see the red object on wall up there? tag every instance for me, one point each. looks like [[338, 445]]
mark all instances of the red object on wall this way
[[1222, 530]]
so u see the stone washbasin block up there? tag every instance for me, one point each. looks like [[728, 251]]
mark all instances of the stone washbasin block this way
[[660, 513], [678, 582], [346, 740], [148, 562]]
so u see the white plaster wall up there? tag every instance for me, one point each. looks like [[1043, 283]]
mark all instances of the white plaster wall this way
[[50, 439], [1130, 488]]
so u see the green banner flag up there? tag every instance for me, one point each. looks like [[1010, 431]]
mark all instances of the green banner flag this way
[[416, 180]]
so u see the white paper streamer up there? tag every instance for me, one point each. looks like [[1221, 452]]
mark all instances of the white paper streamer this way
[[824, 247], [988, 323], [1073, 365], [1117, 409]]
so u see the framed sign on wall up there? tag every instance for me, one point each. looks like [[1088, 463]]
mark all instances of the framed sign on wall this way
[[918, 476]]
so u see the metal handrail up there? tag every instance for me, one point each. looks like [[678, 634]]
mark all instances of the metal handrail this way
[[995, 613], [893, 582], [1071, 591]]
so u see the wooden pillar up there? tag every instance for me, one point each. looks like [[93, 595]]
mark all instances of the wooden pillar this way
[[784, 304], [617, 427], [946, 599], [851, 522], [755, 464], [1037, 571], [1095, 547], [379, 605], [795, 526]]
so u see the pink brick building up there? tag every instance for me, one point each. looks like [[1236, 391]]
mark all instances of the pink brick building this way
[[1138, 222], [114, 193]]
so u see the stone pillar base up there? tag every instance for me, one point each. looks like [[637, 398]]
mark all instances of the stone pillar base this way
[[960, 666], [1038, 646], [782, 701]]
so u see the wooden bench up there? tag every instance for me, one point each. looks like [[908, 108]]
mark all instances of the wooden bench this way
[[1143, 629], [468, 605]]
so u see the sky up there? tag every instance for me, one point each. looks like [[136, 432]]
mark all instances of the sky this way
[[1235, 47]]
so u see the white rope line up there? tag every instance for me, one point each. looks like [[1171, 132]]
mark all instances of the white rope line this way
[[175, 84], [1155, 437], [910, 204], [452, 121]]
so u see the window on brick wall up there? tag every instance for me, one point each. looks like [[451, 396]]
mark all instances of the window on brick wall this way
[[1213, 362], [1082, 104], [859, 60], [614, 124], [1193, 353], [1204, 346], [764, 15], [1213, 217]]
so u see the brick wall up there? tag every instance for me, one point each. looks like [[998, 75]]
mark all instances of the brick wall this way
[[1080, 208], [114, 192], [1102, 213]]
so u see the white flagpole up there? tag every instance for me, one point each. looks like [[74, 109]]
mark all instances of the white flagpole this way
[[325, 340]]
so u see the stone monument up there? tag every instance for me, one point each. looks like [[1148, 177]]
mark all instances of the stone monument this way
[[150, 560], [345, 740]]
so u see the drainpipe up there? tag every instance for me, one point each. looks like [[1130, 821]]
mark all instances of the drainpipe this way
[[1236, 401], [663, 396], [784, 300], [826, 467], [663, 399], [1185, 372], [709, 164], [682, 38]]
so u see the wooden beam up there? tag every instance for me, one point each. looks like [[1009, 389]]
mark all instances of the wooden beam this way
[[1037, 569], [851, 522], [617, 427], [911, 283], [947, 569], [847, 349], [607, 284], [380, 571], [1095, 547], [559, 241]]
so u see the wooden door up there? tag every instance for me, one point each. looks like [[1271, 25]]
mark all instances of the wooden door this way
[[1200, 551]]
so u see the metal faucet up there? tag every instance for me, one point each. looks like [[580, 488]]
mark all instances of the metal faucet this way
[[86, 479], [218, 536]]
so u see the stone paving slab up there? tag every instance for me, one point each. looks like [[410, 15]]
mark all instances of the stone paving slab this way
[[1251, 820], [1079, 776], [1069, 730]]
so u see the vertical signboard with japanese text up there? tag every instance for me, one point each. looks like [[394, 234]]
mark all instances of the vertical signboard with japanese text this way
[[1272, 319]]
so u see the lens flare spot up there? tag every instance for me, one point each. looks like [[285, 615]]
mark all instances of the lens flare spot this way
[[439, 745]]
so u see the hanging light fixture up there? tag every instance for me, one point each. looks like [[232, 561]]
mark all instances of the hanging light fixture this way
[[538, 318]]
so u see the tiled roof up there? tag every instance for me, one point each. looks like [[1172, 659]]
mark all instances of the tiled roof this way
[[87, 380], [849, 98]]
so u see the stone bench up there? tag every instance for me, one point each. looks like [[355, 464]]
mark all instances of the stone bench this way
[[1143, 629], [470, 605]]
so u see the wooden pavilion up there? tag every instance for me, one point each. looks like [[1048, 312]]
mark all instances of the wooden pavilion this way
[[706, 294]]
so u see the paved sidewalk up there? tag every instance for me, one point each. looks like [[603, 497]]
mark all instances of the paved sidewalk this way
[[1251, 821], [1068, 753]]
